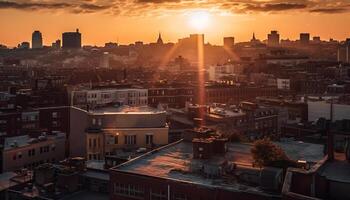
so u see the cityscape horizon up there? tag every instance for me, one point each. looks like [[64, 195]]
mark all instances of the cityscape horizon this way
[[175, 100]]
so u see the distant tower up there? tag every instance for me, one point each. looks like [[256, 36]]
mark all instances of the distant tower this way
[[37, 40], [253, 38], [304, 38], [71, 40], [273, 38], [159, 41]]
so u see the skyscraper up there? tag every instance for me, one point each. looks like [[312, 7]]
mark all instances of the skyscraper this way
[[304, 38], [71, 40], [273, 38], [37, 40], [229, 42]]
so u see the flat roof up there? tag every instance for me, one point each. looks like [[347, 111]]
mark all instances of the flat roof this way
[[99, 175], [126, 110], [337, 170], [5, 180], [172, 160]]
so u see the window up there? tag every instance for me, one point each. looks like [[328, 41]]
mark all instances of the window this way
[[31, 152], [177, 196], [54, 114], [130, 139], [99, 122], [93, 121], [90, 143], [149, 139], [158, 195], [55, 123], [129, 190]]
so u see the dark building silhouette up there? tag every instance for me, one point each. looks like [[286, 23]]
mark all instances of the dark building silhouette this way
[[304, 38], [192, 42], [37, 40], [71, 40], [159, 40], [273, 38], [56, 44]]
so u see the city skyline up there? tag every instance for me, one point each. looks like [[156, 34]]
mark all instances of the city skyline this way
[[100, 22]]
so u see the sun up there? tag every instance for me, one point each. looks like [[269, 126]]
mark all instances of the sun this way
[[199, 20]]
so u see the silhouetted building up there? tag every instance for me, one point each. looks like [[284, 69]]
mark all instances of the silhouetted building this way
[[71, 39], [24, 45], [344, 52], [273, 38], [37, 40], [316, 39], [229, 42], [192, 42], [159, 40], [304, 38], [111, 45]]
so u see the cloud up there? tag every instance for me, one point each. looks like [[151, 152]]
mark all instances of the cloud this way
[[159, 7], [329, 10], [275, 7], [80, 8]]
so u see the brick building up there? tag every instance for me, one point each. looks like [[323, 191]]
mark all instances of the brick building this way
[[28, 152], [235, 94]]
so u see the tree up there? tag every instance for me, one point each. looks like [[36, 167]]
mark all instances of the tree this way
[[266, 153]]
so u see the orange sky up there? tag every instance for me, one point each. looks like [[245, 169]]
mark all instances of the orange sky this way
[[100, 22]]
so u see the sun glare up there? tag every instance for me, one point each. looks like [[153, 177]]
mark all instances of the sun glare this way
[[199, 20]]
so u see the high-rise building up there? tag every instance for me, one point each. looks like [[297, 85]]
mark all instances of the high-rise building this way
[[37, 40], [229, 42], [71, 40], [304, 38], [273, 38]]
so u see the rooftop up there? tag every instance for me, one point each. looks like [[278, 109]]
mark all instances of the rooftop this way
[[126, 110], [175, 161], [25, 140], [337, 170]]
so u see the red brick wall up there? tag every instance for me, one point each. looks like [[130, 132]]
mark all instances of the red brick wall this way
[[193, 192]]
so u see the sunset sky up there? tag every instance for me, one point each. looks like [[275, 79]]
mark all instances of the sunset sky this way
[[127, 21]]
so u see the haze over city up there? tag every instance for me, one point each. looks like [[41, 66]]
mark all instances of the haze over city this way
[[175, 100], [129, 21]]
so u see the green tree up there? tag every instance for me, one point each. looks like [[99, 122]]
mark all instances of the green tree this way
[[266, 153]]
